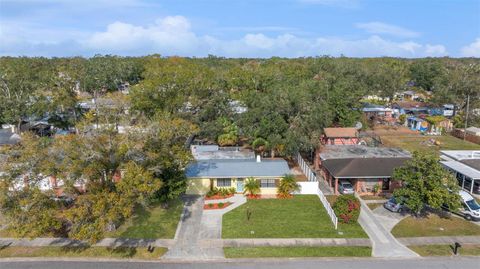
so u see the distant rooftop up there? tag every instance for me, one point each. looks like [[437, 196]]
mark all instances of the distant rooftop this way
[[459, 155], [468, 170], [367, 107], [473, 129], [359, 151], [8, 138], [340, 132], [237, 168], [214, 152], [411, 104]]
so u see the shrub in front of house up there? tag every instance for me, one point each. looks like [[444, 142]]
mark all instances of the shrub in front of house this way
[[287, 186], [347, 208], [220, 193]]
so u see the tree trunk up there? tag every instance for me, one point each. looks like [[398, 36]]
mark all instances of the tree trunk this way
[[19, 124]]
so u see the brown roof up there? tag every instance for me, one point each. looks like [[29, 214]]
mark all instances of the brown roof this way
[[410, 104], [363, 167], [340, 132]]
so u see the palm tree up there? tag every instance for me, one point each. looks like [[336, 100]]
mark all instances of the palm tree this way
[[251, 187], [287, 186]]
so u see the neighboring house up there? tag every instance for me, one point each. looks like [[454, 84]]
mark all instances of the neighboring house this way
[[409, 108], [229, 168], [378, 112], [428, 124], [414, 108], [237, 107], [465, 165], [8, 137], [376, 98], [38, 127], [412, 96], [473, 131], [417, 124], [340, 136], [362, 166], [209, 152], [449, 110]]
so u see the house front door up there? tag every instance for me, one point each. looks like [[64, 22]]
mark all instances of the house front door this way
[[239, 185]]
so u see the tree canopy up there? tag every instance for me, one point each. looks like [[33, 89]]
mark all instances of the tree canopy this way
[[426, 184]]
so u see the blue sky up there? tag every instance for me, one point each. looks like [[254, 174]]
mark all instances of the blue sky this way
[[241, 28]]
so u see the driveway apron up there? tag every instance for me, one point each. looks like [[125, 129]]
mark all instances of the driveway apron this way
[[383, 242]]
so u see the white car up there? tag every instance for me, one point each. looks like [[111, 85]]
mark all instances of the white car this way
[[345, 187]]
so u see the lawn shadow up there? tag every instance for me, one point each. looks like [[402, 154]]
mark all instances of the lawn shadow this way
[[141, 215], [188, 201], [2, 247], [68, 243], [126, 252]]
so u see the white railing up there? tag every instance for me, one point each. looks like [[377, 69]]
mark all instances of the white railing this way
[[306, 169], [329, 209], [311, 177]]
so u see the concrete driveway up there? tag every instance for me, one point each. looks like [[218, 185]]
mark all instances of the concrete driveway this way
[[387, 218]]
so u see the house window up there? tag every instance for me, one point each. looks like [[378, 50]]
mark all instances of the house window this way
[[386, 184], [267, 183], [224, 182]]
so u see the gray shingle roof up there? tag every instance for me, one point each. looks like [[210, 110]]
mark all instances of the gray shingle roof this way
[[363, 167], [237, 168]]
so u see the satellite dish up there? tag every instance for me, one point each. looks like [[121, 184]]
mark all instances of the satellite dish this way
[[358, 125]]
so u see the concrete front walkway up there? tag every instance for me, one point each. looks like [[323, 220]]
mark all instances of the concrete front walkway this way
[[197, 226], [383, 242]]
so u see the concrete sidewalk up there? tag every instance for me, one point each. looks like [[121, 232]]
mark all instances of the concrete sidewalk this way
[[287, 242], [439, 240], [65, 242]]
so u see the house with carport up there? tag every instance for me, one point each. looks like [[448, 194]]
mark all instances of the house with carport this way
[[362, 166], [465, 165]]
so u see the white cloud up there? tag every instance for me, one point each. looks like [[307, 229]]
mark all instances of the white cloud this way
[[472, 50], [173, 35], [435, 49], [388, 29]]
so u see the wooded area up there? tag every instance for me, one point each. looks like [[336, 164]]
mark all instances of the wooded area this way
[[276, 105]]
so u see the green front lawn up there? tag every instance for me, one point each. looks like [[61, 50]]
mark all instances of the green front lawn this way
[[152, 222], [433, 225], [72, 252], [419, 143], [446, 250], [303, 216], [264, 252]]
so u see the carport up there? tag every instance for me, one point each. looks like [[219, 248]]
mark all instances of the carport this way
[[465, 172]]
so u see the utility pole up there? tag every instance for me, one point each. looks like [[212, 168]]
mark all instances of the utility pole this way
[[466, 118]]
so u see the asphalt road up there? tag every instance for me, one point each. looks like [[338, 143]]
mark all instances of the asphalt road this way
[[423, 263]]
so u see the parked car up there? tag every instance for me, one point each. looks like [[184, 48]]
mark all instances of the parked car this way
[[470, 209], [345, 187], [395, 205]]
